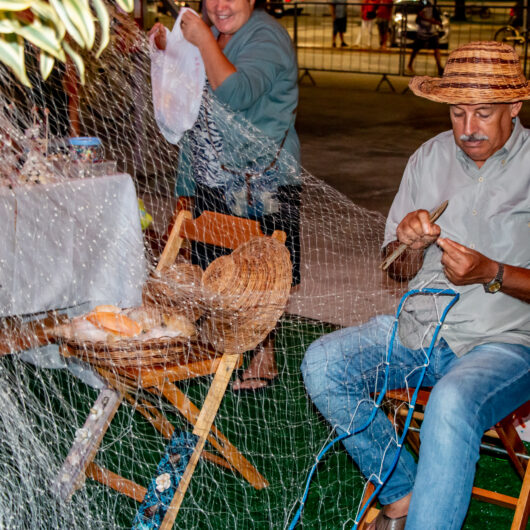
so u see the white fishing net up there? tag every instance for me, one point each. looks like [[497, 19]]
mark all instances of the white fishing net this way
[[73, 242]]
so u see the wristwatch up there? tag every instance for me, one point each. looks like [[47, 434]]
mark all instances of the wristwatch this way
[[495, 285]]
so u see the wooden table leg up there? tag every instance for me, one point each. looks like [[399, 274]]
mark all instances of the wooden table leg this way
[[72, 473], [236, 460], [202, 430]]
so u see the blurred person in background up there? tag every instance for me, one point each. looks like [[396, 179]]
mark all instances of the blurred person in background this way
[[368, 14], [428, 22], [339, 16], [382, 20]]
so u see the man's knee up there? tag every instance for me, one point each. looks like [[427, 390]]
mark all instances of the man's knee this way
[[313, 368], [449, 410]]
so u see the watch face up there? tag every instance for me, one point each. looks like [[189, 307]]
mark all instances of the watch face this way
[[494, 287]]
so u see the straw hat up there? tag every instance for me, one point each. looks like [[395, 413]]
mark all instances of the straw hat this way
[[247, 293], [478, 72]]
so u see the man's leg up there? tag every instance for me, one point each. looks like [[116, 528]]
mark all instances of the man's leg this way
[[416, 47], [341, 371], [438, 60], [478, 390]]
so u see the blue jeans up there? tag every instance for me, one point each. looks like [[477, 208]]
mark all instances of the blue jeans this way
[[471, 393]]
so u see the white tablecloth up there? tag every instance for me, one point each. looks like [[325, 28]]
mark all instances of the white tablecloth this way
[[70, 243]]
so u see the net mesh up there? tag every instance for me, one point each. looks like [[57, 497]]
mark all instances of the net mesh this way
[[73, 241]]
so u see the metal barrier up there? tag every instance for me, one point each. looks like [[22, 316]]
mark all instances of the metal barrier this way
[[310, 25]]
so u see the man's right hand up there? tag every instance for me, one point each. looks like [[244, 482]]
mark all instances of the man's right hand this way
[[416, 230], [159, 33]]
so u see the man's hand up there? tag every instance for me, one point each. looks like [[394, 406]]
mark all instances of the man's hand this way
[[195, 29], [416, 230], [464, 266], [159, 32]]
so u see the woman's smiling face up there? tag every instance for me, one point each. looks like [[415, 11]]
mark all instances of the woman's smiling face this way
[[228, 16]]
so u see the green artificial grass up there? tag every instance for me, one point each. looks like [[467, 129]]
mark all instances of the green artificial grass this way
[[278, 430]]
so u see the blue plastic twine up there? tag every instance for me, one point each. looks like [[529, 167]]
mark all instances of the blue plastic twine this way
[[379, 400]]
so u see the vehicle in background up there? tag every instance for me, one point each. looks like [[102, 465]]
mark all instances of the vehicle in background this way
[[404, 13], [280, 8]]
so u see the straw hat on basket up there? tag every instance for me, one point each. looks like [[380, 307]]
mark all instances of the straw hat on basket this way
[[248, 291], [478, 72]]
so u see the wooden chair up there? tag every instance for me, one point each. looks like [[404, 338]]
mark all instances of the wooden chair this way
[[503, 432], [213, 228]]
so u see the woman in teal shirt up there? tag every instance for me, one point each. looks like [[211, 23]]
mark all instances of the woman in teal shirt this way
[[251, 74]]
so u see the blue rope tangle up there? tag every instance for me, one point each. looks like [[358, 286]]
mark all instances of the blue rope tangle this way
[[379, 401]]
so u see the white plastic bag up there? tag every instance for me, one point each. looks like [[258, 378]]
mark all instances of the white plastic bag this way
[[177, 78]]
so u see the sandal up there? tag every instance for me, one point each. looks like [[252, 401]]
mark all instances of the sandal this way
[[383, 522], [265, 382]]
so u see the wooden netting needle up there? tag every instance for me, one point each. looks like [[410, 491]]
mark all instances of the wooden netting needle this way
[[434, 215]]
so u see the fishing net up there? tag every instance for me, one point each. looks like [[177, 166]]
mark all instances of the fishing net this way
[[98, 338]]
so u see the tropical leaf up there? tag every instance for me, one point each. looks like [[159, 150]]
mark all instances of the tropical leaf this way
[[46, 13], [81, 16], [42, 36], [14, 5], [12, 55], [46, 63], [126, 5], [8, 23], [77, 59], [70, 27], [104, 22]]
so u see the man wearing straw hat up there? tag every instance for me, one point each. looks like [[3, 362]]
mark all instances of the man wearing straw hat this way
[[480, 365]]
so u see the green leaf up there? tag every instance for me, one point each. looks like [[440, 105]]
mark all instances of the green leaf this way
[[12, 55], [126, 5], [14, 5], [46, 63], [104, 22], [8, 24], [81, 16], [77, 59], [70, 28], [42, 36], [46, 13]]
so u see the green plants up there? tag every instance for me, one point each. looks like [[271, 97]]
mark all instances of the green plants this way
[[59, 29]]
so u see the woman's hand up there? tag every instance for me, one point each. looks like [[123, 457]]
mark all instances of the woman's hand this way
[[159, 33], [195, 29]]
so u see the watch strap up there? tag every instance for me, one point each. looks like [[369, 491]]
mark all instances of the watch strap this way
[[495, 285]]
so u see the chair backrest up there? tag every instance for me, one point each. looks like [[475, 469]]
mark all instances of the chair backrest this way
[[213, 228]]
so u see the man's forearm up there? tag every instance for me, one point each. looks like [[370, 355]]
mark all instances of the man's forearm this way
[[407, 265], [516, 282]]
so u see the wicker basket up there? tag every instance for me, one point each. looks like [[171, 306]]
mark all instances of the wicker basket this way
[[178, 287], [118, 352], [246, 292], [242, 296]]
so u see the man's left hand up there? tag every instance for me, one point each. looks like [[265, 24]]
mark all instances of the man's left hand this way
[[463, 265]]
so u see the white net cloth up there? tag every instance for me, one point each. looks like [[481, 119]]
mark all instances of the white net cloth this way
[[73, 242]]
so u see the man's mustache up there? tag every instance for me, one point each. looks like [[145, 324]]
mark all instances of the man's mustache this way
[[473, 137]]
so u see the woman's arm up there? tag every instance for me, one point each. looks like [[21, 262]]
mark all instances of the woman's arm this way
[[216, 65]]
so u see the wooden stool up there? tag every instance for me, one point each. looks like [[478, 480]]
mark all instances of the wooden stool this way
[[504, 431]]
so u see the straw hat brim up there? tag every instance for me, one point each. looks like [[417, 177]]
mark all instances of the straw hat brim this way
[[248, 291], [444, 91]]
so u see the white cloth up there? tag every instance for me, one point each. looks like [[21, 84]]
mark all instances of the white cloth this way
[[70, 243]]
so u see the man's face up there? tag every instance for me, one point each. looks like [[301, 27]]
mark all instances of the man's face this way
[[481, 130]]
